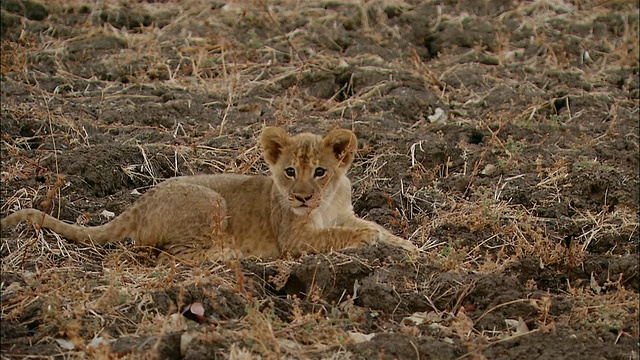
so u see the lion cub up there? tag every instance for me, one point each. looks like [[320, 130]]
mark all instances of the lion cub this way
[[303, 207]]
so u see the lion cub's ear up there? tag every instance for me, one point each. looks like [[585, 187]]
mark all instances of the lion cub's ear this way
[[343, 144], [273, 140]]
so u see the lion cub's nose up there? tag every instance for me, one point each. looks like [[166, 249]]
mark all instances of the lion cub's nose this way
[[303, 199]]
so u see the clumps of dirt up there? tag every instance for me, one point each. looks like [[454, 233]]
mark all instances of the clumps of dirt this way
[[403, 346], [500, 137], [98, 170], [166, 347], [331, 277], [219, 302], [568, 344], [612, 270], [28, 9]]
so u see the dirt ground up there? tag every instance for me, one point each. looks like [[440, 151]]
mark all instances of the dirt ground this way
[[499, 137]]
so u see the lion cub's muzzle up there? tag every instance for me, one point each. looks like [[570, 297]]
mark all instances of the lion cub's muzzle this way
[[304, 201]]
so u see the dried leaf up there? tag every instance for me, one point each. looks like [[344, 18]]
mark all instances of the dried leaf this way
[[511, 323], [65, 344], [185, 340], [522, 327], [108, 214], [519, 325], [594, 285], [448, 340], [438, 116], [290, 344], [418, 318], [13, 287], [356, 287], [360, 337], [97, 342], [177, 322]]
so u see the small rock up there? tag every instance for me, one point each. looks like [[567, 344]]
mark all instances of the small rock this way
[[489, 170], [438, 116]]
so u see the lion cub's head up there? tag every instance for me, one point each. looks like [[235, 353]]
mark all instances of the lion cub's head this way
[[308, 168]]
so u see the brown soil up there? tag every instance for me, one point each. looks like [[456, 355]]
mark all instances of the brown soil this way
[[500, 137]]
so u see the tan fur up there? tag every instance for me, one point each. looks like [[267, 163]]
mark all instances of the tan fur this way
[[211, 217]]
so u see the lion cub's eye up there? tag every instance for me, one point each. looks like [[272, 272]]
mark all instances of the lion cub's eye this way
[[320, 172], [290, 172]]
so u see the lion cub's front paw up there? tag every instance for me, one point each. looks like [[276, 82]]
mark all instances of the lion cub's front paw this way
[[225, 255], [399, 242], [367, 236], [374, 235]]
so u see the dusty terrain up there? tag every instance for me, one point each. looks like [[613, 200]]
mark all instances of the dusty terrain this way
[[500, 137]]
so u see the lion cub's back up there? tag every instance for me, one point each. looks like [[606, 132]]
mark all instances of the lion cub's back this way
[[244, 191]]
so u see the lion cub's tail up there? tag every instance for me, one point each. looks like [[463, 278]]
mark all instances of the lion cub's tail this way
[[114, 230]]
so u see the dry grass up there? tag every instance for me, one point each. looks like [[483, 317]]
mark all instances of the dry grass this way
[[188, 92]]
